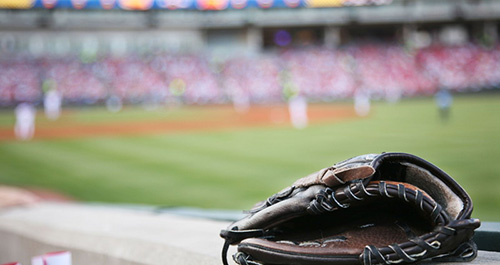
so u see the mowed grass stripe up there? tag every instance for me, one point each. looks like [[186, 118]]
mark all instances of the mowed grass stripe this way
[[151, 169], [204, 167], [21, 165], [185, 153], [70, 169], [201, 165]]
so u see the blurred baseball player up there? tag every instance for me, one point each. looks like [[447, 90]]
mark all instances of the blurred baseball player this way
[[25, 121]]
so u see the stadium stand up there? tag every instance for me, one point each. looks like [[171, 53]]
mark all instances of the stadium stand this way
[[321, 74], [96, 50]]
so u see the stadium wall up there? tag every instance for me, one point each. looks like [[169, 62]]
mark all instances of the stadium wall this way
[[241, 30], [62, 42]]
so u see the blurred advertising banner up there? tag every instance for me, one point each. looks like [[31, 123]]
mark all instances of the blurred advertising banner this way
[[16, 4], [173, 4], [108, 4], [339, 3], [212, 4], [135, 4], [79, 4], [182, 4], [325, 3], [49, 3]]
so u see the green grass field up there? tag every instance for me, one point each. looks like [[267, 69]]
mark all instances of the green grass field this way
[[234, 168]]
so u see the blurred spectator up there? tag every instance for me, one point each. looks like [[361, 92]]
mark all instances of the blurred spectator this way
[[19, 80]]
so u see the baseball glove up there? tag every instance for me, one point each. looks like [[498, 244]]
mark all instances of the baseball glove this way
[[371, 209]]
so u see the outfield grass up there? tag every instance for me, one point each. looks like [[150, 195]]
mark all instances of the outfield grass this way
[[235, 168]]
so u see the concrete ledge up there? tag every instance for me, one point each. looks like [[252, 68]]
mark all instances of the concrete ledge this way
[[110, 235], [102, 235]]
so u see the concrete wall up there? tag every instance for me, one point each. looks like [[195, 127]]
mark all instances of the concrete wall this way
[[103, 235]]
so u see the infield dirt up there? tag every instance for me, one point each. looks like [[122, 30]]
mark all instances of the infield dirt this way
[[224, 117]]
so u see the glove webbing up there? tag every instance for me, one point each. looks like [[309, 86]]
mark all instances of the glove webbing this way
[[465, 252], [329, 200]]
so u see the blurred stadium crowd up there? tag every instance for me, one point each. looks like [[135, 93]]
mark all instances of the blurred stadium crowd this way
[[384, 71]]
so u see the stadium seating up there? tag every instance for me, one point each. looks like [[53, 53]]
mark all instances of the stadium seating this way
[[385, 71]]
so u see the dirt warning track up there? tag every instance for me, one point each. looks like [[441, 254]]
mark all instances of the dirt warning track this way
[[224, 118]]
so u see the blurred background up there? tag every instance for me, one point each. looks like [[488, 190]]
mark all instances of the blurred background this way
[[218, 104]]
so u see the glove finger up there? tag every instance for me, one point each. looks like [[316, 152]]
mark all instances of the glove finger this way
[[333, 176]]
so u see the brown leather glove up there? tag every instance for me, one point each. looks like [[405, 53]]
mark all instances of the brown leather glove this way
[[371, 209]]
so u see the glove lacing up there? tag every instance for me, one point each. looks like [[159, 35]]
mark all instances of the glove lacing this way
[[465, 252], [244, 259], [327, 201]]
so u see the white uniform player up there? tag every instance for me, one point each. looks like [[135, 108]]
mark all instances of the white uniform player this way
[[25, 121], [362, 103], [52, 104], [297, 106]]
